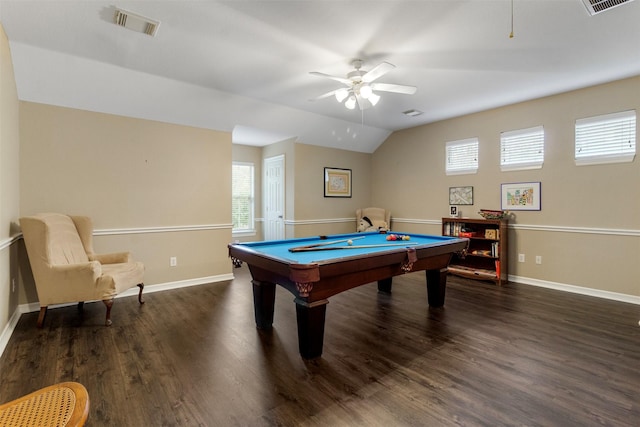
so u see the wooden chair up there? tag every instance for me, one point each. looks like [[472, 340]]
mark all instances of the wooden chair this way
[[65, 404]]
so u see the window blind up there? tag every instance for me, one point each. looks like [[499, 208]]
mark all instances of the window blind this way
[[522, 149], [242, 196], [462, 156], [610, 138]]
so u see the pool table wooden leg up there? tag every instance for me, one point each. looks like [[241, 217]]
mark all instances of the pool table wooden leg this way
[[436, 286], [310, 318], [264, 298], [384, 285]]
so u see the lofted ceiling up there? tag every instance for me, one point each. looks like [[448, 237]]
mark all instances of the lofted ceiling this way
[[243, 66]]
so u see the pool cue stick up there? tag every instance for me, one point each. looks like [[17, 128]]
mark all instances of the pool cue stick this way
[[332, 248], [326, 243]]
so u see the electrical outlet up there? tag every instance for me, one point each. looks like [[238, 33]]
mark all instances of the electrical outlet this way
[[520, 257], [538, 259], [173, 261]]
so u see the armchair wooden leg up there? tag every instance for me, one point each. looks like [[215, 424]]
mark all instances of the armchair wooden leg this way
[[140, 300], [43, 312], [108, 303]]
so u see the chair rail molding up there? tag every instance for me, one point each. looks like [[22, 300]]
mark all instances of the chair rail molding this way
[[164, 229]]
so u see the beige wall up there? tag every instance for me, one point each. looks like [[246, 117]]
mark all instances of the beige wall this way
[[157, 189], [588, 229], [307, 211], [9, 185], [319, 215]]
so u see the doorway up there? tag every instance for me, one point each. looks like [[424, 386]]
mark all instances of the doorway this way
[[273, 198]]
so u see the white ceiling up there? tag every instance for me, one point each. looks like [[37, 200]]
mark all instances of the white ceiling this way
[[243, 66]]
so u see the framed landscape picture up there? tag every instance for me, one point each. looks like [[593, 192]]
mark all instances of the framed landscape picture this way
[[521, 196], [337, 182]]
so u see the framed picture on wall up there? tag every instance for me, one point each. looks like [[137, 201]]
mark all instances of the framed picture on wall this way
[[460, 195], [521, 196], [337, 182]]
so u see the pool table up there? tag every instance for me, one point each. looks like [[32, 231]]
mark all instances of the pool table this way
[[316, 268]]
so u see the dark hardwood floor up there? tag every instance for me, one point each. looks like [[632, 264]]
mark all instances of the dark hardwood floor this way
[[515, 355]]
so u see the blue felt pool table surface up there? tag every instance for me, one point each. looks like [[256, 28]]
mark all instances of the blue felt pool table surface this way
[[279, 249]]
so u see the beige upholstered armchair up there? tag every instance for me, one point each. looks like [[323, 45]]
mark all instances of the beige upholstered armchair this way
[[65, 268], [373, 219]]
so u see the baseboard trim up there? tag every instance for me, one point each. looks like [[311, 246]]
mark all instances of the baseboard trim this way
[[8, 330], [615, 296], [161, 287]]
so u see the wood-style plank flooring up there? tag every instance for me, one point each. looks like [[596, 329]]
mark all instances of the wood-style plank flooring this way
[[511, 355]]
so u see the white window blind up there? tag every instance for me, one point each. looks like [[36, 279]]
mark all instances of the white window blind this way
[[462, 156], [242, 197], [610, 138], [522, 149]]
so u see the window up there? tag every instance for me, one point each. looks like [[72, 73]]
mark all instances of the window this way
[[610, 138], [462, 156], [242, 197], [522, 149]]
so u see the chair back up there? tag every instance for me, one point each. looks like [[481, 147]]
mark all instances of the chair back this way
[[53, 239]]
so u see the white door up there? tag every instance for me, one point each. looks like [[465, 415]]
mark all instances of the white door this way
[[273, 198]]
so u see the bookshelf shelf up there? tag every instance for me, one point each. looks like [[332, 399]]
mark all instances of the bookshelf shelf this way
[[487, 255]]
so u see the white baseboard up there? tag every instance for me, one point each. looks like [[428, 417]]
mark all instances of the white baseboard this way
[[632, 299], [8, 330], [31, 307]]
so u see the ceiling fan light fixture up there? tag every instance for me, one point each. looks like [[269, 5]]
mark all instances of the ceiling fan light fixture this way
[[350, 103], [373, 98], [366, 91], [341, 94]]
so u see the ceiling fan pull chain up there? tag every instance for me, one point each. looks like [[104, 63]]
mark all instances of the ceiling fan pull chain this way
[[511, 34]]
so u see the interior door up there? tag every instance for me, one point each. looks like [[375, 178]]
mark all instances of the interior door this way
[[273, 198]]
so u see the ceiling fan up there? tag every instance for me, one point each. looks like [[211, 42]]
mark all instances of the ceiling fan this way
[[360, 86]]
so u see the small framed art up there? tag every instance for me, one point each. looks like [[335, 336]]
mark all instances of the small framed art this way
[[337, 182], [521, 196], [460, 195]]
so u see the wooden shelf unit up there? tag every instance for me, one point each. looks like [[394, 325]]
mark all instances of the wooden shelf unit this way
[[487, 255]]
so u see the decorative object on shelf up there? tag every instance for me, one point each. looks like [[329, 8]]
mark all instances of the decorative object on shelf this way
[[461, 195], [521, 196], [337, 182], [453, 211], [491, 214]]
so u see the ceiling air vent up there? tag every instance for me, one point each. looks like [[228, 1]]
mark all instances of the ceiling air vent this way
[[136, 22], [597, 6]]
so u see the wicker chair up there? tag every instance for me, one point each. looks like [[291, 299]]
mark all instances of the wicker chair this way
[[64, 404]]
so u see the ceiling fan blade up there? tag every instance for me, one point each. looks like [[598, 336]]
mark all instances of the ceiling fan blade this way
[[325, 95], [338, 79], [388, 87], [377, 72]]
